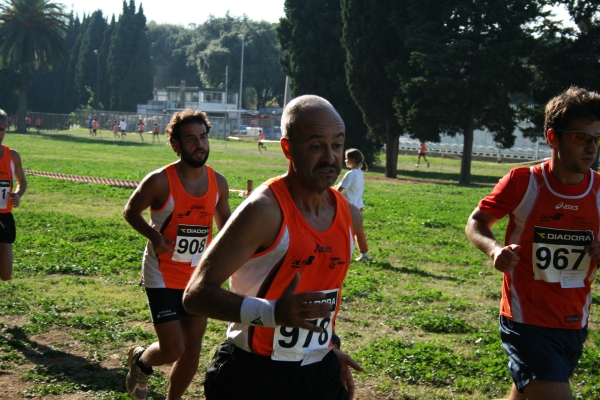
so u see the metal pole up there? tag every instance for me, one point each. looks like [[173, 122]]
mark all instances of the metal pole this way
[[241, 80], [97, 78]]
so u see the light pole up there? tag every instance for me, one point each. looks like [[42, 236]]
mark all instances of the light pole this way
[[241, 80], [97, 78]]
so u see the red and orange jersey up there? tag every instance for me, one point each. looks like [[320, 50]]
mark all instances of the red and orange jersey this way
[[553, 222]]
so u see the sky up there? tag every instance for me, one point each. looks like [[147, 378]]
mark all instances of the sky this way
[[184, 12]]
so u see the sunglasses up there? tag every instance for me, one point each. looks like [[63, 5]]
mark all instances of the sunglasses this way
[[582, 137]]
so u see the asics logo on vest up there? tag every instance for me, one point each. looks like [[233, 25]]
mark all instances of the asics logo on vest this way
[[320, 249], [566, 206]]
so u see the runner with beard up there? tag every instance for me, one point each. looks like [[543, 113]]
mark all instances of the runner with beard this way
[[184, 198]]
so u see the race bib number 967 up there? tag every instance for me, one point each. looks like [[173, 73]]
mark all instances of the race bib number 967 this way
[[190, 243], [292, 344], [557, 250]]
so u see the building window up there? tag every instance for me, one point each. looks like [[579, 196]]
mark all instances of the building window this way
[[231, 98], [191, 96], [212, 97]]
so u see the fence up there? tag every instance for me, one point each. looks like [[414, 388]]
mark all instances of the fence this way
[[222, 126], [48, 122], [530, 150]]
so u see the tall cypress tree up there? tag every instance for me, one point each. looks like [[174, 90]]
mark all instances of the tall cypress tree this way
[[122, 48], [137, 86], [310, 36], [70, 95], [373, 46], [104, 94], [88, 64]]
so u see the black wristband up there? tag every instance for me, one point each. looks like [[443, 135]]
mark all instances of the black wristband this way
[[335, 339]]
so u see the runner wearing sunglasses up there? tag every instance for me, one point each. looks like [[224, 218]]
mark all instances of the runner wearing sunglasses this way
[[550, 252]]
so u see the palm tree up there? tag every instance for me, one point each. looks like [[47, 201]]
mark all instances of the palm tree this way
[[32, 33]]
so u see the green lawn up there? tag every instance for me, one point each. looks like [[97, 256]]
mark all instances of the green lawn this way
[[421, 317]]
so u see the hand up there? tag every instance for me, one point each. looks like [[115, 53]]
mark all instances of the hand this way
[[163, 245], [346, 372], [292, 310], [506, 258], [15, 198], [593, 250]]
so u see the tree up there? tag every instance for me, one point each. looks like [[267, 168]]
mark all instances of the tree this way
[[136, 88], [169, 51], [125, 43], [313, 57], [33, 34], [88, 64], [373, 46], [467, 59], [104, 94], [562, 57], [261, 57]]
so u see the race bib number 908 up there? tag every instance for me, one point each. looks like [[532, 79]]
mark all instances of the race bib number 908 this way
[[558, 250], [292, 344], [190, 243]]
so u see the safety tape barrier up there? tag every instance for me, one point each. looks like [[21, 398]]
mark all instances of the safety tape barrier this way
[[105, 181]]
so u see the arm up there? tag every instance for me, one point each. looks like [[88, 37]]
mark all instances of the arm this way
[[152, 192], [222, 211], [479, 232], [15, 197], [346, 182], [357, 218], [253, 227]]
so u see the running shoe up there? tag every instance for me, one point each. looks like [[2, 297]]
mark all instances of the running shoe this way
[[137, 380], [363, 257]]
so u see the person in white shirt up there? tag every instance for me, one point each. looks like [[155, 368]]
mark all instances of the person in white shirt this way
[[352, 187], [123, 126]]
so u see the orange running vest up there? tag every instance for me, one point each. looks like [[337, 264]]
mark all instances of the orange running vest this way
[[7, 173], [551, 284], [321, 258], [187, 221]]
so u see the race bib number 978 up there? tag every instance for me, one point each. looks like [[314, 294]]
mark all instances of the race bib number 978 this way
[[558, 250], [190, 243], [292, 344]]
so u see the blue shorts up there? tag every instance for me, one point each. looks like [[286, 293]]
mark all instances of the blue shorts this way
[[166, 305], [539, 353]]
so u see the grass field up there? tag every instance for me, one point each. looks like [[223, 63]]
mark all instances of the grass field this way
[[421, 317]]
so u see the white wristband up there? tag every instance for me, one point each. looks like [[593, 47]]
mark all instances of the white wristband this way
[[258, 312]]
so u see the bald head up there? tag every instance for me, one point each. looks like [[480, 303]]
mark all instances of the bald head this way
[[306, 106]]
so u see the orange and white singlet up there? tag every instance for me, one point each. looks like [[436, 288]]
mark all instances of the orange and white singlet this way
[[7, 173], [321, 258], [551, 284], [187, 221]]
